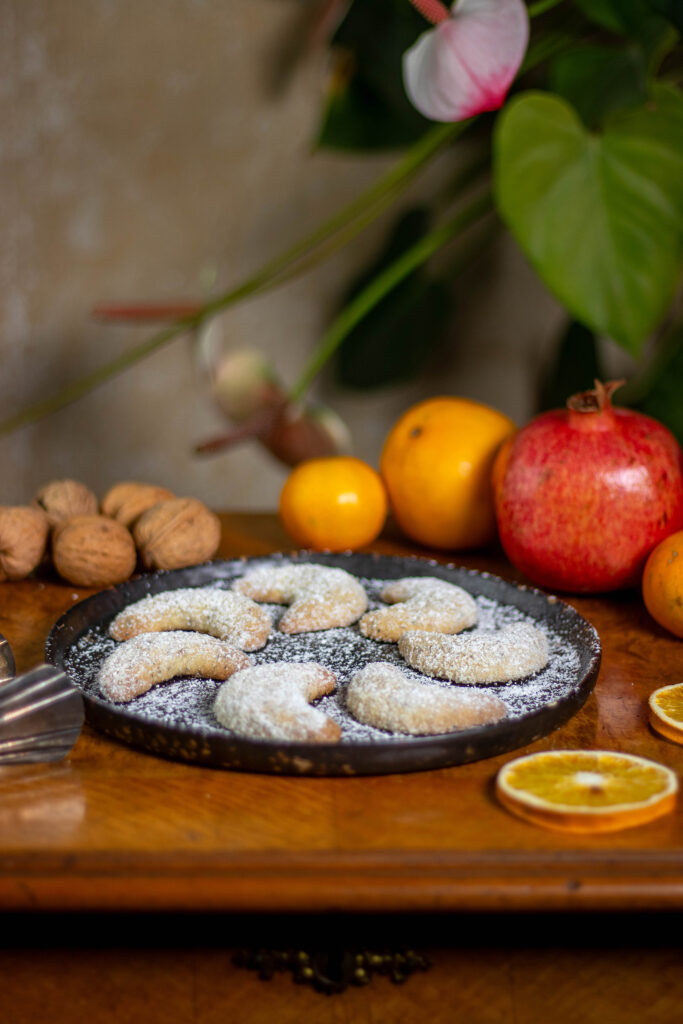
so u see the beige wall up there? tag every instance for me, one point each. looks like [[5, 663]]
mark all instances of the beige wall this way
[[145, 147]]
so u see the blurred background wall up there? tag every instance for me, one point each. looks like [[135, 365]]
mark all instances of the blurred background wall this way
[[148, 147]]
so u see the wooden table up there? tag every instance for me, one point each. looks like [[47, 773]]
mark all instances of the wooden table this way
[[161, 853]]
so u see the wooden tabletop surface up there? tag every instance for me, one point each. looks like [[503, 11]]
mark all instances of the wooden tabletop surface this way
[[115, 828]]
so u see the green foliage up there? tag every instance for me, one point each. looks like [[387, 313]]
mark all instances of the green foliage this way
[[661, 390], [595, 203], [597, 80], [589, 180], [367, 107], [600, 217], [399, 334], [574, 367], [638, 19], [670, 9]]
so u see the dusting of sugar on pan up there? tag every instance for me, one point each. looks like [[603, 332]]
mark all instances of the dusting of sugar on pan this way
[[188, 703]]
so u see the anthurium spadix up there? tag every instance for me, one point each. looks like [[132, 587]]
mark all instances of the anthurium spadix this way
[[467, 62]]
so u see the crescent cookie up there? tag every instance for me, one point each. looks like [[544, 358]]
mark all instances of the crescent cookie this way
[[150, 658], [514, 652], [219, 613], [420, 602], [319, 597], [272, 702], [383, 696]]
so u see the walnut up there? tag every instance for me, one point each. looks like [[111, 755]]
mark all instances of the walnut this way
[[128, 500], [176, 533], [63, 499], [93, 551], [23, 536]]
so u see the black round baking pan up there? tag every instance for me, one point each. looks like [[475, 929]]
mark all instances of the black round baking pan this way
[[201, 740]]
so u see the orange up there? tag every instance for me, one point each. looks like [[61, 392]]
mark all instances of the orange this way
[[333, 504], [663, 583], [436, 464], [666, 711], [586, 790]]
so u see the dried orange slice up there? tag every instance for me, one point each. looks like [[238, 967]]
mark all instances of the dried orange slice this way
[[586, 790], [666, 711]]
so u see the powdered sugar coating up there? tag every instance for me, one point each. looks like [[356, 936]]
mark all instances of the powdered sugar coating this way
[[187, 704], [420, 602], [384, 696], [517, 651], [319, 597], [220, 613], [272, 702], [147, 659]]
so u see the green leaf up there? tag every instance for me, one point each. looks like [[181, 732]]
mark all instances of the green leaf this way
[[597, 80], [395, 339], [600, 217], [634, 18], [359, 117], [663, 387], [574, 367], [672, 10], [367, 107]]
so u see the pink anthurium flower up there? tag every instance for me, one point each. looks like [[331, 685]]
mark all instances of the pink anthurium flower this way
[[467, 62]]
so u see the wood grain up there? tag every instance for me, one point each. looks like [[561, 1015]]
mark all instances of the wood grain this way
[[122, 978], [198, 986], [116, 828]]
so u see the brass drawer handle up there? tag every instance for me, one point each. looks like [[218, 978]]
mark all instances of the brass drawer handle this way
[[332, 971]]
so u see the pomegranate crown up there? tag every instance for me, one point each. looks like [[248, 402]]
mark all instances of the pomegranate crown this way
[[596, 399]]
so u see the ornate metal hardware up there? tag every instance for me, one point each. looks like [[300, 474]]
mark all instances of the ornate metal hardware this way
[[334, 970]]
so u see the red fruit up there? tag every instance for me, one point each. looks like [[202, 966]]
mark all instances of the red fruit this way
[[583, 494]]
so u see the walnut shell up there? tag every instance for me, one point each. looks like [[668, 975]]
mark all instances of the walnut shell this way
[[23, 536], [128, 500], [64, 499], [93, 551], [177, 533]]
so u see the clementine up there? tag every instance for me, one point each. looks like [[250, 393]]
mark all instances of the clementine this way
[[436, 464], [337, 503], [663, 583]]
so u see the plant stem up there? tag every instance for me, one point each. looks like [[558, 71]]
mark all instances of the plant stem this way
[[541, 7], [543, 48], [347, 232], [327, 238], [468, 174], [382, 284], [415, 159], [80, 387], [363, 210]]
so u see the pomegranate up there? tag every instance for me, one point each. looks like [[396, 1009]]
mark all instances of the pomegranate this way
[[583, 494]]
